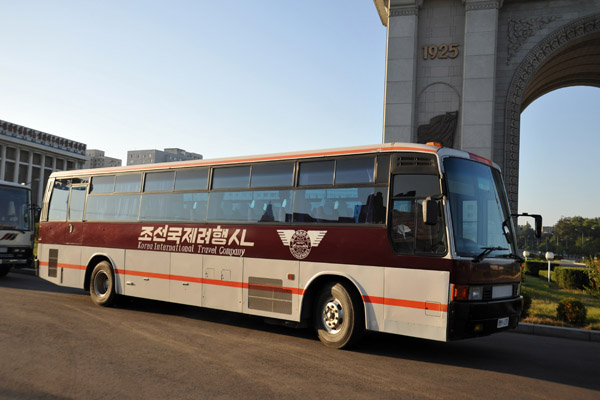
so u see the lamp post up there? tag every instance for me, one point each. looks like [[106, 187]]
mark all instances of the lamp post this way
[[525, 254], [549, 257]]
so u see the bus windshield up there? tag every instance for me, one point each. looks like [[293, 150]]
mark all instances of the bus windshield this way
[[14, 208], [479, 210]]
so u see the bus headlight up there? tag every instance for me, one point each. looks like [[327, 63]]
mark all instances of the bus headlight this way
[[476, 293], [466, 292]]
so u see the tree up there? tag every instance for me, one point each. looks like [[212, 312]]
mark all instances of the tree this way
[[526, 237]]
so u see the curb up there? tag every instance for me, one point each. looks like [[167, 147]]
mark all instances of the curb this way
[[558, 332]]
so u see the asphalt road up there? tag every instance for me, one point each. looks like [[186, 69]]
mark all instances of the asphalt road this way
[[55, 344]]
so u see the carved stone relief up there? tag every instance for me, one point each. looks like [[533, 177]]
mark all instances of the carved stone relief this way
[[441, 129], [523, 75], [521, 29]]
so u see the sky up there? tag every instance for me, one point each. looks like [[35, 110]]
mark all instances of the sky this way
[[560, 155], [245, 77]]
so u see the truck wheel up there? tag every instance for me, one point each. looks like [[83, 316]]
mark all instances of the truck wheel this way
[[4, 270], [338, 316], [102, 285]]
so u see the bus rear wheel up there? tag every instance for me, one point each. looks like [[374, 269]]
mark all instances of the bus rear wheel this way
[[338, 316], [102, 285]]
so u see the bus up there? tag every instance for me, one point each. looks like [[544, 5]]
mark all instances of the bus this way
[[16, 227], [408, 239]]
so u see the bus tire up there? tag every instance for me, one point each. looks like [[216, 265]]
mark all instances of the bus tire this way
[[4, 270], [102, 285], [338, 316]]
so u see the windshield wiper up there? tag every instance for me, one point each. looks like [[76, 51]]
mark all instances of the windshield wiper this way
[[511, 255], [485, 252]]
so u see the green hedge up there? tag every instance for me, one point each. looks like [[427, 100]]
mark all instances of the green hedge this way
[[543, 273], [571, 278], [533, 267]]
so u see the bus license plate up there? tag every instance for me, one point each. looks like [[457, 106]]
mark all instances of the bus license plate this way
[[502, 322]]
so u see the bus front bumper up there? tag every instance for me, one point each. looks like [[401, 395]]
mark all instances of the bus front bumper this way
[[14, 261], [472, 319]]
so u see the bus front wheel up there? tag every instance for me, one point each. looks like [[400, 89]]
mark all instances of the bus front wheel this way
[[338, 317], [102, 285], [4, 269]]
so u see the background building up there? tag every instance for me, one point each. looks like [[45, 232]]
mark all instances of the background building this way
[[29, 156], [97, 159], [135, 157]]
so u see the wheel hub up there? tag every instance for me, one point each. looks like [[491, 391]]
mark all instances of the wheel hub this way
[[101, 284], [333, 316]]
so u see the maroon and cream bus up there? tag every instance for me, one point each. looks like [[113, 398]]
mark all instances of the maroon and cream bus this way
[[408, 239]]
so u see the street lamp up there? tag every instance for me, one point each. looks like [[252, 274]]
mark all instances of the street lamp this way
[[549, 257], [525, 254]]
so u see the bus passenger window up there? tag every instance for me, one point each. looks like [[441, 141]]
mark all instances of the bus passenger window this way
[[191, 179], [59, 200], [159, 181], [76, 203], [340, 205], [128, 183], [316, 173], [354, 170], [272, 175], [231, 177], [102, 184], [112, 208]]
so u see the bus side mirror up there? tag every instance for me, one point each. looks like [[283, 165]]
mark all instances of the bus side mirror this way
[[430, 211], [538, 222], [538, 225]]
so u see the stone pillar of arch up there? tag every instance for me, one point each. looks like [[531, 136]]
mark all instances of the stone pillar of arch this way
[[440, 75], [464, 70], [568, 56]]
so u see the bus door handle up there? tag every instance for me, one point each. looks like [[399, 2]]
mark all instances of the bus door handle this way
[[146, 279], [186, 284], [70, 228]]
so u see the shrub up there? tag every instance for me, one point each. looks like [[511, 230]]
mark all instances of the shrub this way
[[571, 278], [593, 286], [572, 311], [533, 267], [526, 305]]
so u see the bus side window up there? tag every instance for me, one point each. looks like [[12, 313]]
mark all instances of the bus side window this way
[[403, 225], [407, 231], [76, 203], [59, 200], [351, 205]]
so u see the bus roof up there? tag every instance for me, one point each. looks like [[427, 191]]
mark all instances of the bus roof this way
[[356, 150], [16, 185]]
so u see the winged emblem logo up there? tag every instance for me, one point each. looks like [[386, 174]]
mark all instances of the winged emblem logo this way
[[300, 242]]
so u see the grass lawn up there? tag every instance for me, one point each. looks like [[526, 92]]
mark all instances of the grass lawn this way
[[545, 297]]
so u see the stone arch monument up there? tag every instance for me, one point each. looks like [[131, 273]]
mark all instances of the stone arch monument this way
[[482, 62]]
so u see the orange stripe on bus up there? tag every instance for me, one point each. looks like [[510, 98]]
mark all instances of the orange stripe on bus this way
[[420, 305], [61, 265]]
